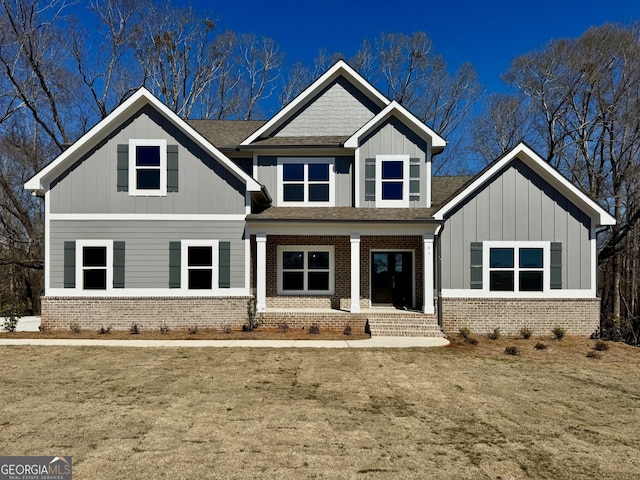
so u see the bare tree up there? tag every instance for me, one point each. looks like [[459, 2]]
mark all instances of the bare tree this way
[[584, 96], [502, 125]]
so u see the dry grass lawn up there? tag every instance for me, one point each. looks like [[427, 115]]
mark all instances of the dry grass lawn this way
[[459, 412]]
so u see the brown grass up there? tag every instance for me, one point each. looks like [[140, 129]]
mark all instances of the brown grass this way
[[461, 412]]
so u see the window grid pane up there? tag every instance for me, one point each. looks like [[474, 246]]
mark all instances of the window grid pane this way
[[391, 190], [148, 156], [530, 257], [501, 258], [392, 170], [293, 172]]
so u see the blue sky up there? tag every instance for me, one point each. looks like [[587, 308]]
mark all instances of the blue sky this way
[[489, 34]]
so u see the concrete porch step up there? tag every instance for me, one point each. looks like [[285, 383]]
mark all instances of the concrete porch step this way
[[400, 326]]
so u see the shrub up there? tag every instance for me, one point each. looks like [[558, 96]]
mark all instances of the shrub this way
[[193, 330], [540, 346], [104, 330], [253, 317], [558, 332], [593, 354], [511, 351], [75, 328], [135, 329], [314, 329], [526, 332], [495, 335], [283, 327], [12, 313], [225, 328], [467, 337], [347, 330], [164, 328], [601, 346]]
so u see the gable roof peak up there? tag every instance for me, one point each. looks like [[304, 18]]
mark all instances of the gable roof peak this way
[[339, 69]]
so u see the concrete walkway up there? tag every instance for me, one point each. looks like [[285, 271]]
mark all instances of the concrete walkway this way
[[374, 342]]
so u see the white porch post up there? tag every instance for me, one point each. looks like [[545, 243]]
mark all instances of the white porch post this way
[[261, 272], [428, 305], [355, 273]]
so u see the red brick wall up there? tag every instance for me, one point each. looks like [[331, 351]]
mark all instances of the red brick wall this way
[[481, 315], [91, 313]]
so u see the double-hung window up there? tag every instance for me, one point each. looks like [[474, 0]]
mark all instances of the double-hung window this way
[[392, 180], [306, 181], [518, 268], [305, 269], [94, 259], [148, 167], [200, 264]]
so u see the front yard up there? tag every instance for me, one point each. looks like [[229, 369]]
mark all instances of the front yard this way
[[459, 412]]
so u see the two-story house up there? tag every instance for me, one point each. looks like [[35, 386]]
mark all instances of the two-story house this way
[[327, 213]]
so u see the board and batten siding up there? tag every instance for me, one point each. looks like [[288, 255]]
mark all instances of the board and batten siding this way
[[516, 205], [267, 174], [338, 110], [147, 246], [395, 138], [205, 186]]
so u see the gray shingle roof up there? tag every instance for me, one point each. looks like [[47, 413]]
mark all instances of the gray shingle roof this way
[[226, 133], [443, 189]]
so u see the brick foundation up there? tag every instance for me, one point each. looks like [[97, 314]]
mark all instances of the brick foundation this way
[[578, 316], [149, 312]]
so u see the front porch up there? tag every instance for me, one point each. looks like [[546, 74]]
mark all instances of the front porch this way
[[345, 273]]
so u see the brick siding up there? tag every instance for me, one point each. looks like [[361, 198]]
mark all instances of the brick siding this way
[[91, 313], [579, 316]]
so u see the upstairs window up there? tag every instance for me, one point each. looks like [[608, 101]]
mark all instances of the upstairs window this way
[[148, 167], [392, 180], [305, 181]]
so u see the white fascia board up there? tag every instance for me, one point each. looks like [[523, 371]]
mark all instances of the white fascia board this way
[[141, 97], [341, 228], [397, 110], [546, 171], [339, 68]]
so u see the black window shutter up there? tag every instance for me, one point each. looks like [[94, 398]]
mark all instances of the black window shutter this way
[[556, 266], [123, 168], [70, 264], [118, 264], [174, 264], [224, 264], [476, 265], [172, 168]]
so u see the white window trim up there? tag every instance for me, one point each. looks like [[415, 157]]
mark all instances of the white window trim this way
[[138, 142], [80, 244], [184, 264], [306, 249], [306, 161], [546, 268], [405, 181]]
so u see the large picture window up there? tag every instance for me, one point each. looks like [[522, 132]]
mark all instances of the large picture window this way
[[305, 269], [518, 268], [148, 167], [306, 181]]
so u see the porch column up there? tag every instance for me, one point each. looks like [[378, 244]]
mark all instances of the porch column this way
[[355, 273], [427, 304], [261, 272]]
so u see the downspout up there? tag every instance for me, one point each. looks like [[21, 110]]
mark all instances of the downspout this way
[[439, 273]]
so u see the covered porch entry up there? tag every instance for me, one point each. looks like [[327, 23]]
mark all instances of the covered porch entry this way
[[368, 265]]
